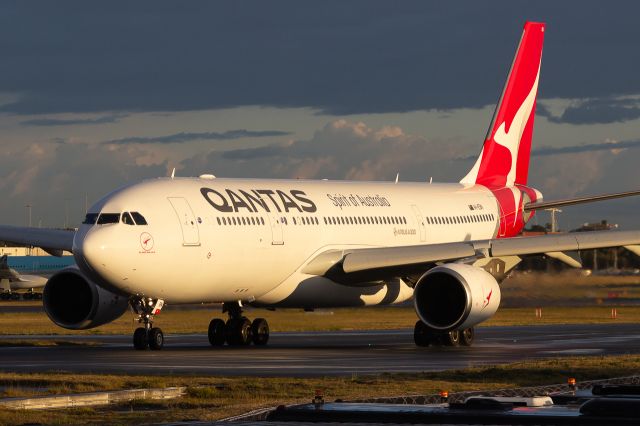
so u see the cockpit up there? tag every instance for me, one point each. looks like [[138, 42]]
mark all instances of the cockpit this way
[[128, 218]]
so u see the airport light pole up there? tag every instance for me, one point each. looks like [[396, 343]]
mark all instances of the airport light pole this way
[[28, 207], [554, 220]]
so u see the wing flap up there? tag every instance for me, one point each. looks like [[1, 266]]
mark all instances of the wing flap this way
[[52, 240], [384, 257]]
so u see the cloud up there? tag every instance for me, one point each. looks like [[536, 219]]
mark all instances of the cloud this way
[[105, 119], [52, 176], [192, 136], [596, 111], [341, 149], [354, 57]]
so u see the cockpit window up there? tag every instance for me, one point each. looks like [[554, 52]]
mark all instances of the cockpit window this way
[[106, 218], [140, 220], [90, 219], [126, 219]]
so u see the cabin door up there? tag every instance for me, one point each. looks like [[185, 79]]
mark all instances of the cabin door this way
[[188, 222]]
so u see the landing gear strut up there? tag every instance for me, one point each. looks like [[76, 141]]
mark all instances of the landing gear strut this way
[[147, 336], [423, 335], [238, 330]]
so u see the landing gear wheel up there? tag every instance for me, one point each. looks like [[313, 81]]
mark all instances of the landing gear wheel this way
[[422, 334], [216, 332], [239, 332], [156, 339], [147, 336], [260, 331], [467, 336], [451, 338], [140, 339]]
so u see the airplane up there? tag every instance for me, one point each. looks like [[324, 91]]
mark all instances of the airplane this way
[[11, 279], [318, 243]]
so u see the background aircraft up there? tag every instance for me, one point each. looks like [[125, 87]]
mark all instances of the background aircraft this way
[[28, 273]]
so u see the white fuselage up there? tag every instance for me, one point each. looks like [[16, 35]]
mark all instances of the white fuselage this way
[[246, 239]]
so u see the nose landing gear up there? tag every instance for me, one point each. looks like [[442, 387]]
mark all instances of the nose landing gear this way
[[238, 330], [147, 336]]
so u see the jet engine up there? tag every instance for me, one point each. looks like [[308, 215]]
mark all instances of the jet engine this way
[[456, 297], [74, 302]]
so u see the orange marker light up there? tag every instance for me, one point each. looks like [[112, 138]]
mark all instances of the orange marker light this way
[[571, 381]]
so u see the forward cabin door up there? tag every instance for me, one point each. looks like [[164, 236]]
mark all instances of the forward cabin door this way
[[276, 230], [188, 222], [422, 230]]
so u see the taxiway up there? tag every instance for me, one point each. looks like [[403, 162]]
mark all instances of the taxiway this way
[[320, 353]]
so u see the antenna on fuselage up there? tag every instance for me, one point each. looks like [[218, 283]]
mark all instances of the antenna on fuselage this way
[[173, 173], [397, 177], [430, 179]]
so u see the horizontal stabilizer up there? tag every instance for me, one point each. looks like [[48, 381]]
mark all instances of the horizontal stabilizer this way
[[559, 203]]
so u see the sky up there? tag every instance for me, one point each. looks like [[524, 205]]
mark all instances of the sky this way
[[96, 95]]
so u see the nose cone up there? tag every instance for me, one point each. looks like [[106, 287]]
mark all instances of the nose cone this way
[[90, 249]]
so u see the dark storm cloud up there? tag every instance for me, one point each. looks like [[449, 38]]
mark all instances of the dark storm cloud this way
[[604, 146], [596, 111], [105, 119], [339, 57], [253, 153], [192, 136]]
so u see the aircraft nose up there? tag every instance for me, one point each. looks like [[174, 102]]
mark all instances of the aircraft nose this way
[[91, 250]]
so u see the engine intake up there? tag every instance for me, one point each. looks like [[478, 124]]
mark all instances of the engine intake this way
[[74, 302], [456, 297]]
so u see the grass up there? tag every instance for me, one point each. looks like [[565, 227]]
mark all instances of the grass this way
[[372, 318], [212, 398]]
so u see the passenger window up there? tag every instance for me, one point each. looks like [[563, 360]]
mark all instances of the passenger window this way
[[138, 218], [126, 219], [106, 218], [90, 219]]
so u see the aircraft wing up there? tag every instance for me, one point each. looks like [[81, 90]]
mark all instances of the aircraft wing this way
[[364, 264], [53, 241]]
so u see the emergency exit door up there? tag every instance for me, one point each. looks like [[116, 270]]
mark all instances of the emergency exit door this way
[[188, 222]]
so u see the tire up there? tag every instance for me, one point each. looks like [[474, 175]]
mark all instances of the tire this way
[[156, 339], [467, 336], [451, 338], [422, 334], [140, 339], [260, 331], [243, 332], [229, 331], [216, 332], [238, 331]]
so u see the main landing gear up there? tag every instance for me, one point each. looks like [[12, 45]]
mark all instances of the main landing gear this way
[[147, 336], [238, 330], [424, 335]]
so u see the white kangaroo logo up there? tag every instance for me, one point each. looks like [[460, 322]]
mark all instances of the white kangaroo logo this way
[[511, 140]]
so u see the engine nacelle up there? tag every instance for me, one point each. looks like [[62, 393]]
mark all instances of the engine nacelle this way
[[456, 296], [72, 301]]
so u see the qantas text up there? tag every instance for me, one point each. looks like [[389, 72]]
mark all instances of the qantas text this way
[[255, 199]]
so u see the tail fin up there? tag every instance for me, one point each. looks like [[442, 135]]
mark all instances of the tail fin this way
[[504, 160]]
